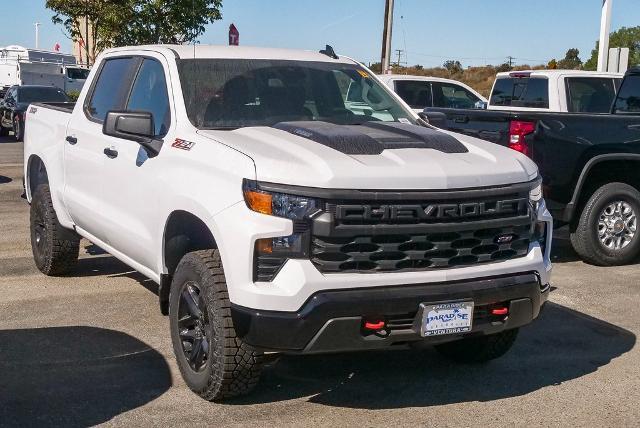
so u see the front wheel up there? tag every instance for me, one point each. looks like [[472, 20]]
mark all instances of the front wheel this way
[[214, 362], [479, 349], [606, 233]]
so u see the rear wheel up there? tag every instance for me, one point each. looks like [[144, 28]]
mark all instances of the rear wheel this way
[[214, 362], [55, 249], [479, 349], [606, 233], [18, 128]]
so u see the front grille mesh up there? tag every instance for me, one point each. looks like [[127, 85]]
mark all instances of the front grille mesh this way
[[418, 251]]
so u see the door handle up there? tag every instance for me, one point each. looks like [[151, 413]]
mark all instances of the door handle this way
[[71, 140], [110, 152]]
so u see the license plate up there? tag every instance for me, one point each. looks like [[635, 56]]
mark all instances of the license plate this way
[[446, 318]]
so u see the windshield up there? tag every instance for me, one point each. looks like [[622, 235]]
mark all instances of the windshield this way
[[40, 94], [234, 93], [77, 73]]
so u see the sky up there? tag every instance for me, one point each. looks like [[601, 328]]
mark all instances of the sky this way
[[475, 32]]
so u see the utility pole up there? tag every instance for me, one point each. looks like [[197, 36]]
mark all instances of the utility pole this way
[[37, 25], [605, 28], [398, 62], [386, 37], [510, 58]]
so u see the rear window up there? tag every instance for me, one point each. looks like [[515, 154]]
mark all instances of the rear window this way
[[589, 95], [37, 94], [532, 92]]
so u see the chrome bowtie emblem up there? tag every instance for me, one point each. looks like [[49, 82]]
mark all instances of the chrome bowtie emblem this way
[[504, 239]]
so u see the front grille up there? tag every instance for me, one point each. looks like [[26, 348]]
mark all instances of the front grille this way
[[481, 315], [419, 251]]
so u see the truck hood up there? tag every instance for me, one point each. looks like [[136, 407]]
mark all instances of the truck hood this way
[[292, 155]]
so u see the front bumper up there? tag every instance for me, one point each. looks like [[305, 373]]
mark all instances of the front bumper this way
[[331, 321]]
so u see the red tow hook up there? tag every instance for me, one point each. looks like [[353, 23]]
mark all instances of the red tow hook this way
[[500, 311], [374, 325]]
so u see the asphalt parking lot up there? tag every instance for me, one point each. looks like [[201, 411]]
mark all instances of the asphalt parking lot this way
[[93, 348]]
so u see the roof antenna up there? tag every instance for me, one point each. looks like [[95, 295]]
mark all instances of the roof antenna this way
[[328, 51]]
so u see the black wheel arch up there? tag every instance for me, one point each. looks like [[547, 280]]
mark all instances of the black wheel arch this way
[[36, 173], [184, 232], [593, 175]]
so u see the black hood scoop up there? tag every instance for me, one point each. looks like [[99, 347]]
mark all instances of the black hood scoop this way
[[372, 138]]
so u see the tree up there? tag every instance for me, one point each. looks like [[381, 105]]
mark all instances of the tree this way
[[504, 67], [553, 64], [71, 13], [571, 60], [453, 67], [163, 21], [623, 38], [135, 22]]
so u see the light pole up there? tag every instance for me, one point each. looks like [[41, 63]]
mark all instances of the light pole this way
[[605, 29], [37, 25]]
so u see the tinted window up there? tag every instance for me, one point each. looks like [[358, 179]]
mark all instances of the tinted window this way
[[521, 92], [111, 87], [38, 94], [233, 93], [589, 95], [628, 100], [415, 93], [452, 96], [77, 73], [149, 93]]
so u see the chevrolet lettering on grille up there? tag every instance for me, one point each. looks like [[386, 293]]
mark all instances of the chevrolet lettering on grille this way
[[413, 212]]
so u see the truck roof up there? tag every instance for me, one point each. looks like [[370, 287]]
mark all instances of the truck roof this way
[[235, 52], [550, 73]]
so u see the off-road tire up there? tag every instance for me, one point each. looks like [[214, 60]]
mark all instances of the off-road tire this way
[[55, 248], [479, 349], [584, 237], [18, 128], [232, 367]]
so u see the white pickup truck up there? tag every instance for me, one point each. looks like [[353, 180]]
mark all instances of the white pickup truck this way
[[276, 218]]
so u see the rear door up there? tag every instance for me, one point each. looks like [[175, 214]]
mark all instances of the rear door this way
[[450, 95], [84, 146]]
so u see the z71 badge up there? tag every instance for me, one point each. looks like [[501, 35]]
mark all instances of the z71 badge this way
[[183, 144]]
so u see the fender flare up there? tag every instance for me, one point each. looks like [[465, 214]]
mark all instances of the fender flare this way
[[570, 209]]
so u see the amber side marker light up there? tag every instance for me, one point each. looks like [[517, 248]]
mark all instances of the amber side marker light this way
[[258, 201]]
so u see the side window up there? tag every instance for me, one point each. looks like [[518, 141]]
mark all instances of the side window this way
[[628, 100], [111, 89], [521, 92], [589, 95], [452, 96], [149, 93], [415, 93]]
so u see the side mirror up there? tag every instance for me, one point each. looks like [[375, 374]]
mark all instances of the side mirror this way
[[134, 126], [434, 118]]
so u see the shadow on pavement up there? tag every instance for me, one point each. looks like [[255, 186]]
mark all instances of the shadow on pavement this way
[[560, 346], [75, 376], [4, 179]]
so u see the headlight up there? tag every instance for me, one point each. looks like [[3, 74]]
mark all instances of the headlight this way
[[278, 204], [272, 253]]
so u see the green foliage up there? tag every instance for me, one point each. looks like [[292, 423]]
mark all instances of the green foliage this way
[[553, 64], [136, 22], [162, 21], [625, 37], [73, 95], [571, 60], [504, 67]]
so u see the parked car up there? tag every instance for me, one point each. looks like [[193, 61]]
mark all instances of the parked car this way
[[572, 91], [423, 91], [275, 218], [589, 161], [15, 102]]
